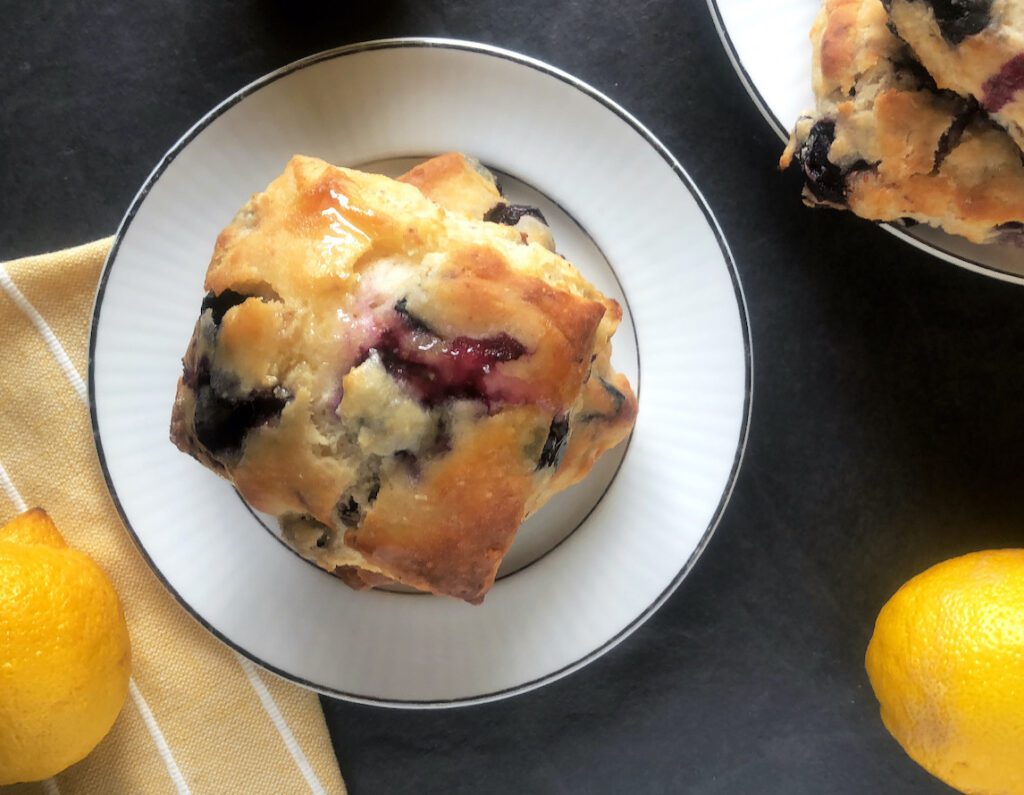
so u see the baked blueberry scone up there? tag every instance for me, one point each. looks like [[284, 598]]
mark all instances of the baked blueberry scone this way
[[398, 380], [972, 47], [888, 144]]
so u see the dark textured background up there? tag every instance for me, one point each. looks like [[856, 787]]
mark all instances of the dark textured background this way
[[886, 429]]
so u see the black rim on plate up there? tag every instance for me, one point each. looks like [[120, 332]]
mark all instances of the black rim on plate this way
[[494, 52], [783, 132]]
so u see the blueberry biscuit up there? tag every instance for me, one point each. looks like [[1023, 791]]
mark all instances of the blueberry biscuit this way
[[972, 47], [398, 380], [888, 144]]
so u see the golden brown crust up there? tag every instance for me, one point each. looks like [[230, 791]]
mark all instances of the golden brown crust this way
[[455, 183], [448, 531], [360, 579], [836, 45], [849, 39], [979, 189]]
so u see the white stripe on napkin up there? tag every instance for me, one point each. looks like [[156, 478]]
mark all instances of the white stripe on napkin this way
[[158, 738], [11, 490], [281, 725], [46, 333]]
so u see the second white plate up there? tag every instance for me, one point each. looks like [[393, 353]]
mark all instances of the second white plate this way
[[595, 562], [769, 44]]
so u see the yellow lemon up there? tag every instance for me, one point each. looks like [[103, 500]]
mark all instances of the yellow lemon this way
[[946, 662], [65, 658]]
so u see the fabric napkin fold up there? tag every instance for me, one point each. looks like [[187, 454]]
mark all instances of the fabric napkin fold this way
[[199, 717]]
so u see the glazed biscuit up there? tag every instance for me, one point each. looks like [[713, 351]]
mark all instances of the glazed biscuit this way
[[396, 379]]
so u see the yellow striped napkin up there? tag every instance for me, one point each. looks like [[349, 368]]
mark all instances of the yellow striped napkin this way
[[199, 718]]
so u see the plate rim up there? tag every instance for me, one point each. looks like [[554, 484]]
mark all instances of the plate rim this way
[[782, 131], [609, 104]]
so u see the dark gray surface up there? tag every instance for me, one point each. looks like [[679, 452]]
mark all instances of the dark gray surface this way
[[886, 429]]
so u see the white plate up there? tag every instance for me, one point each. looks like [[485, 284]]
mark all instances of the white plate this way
[[768, 42], [604, 555]]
